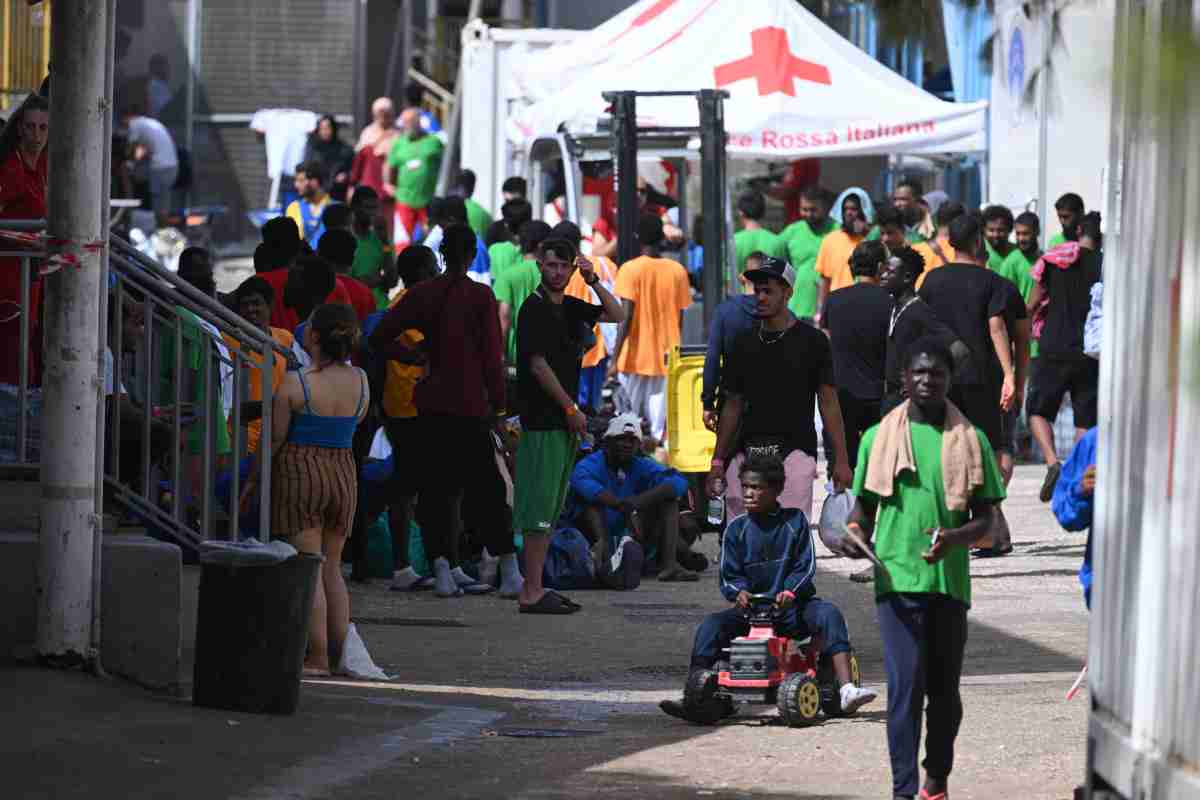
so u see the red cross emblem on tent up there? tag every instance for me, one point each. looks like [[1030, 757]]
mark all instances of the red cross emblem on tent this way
[[772, 64]]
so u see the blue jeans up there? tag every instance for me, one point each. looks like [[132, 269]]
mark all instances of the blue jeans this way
[[802, 619], [923, 641]]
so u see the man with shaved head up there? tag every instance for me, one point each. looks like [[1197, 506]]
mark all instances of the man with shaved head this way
[[411, 176]]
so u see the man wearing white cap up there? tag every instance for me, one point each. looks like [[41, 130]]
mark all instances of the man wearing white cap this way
[[776, 376], [617, 492]]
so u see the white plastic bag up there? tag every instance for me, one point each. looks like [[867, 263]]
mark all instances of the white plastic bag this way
[[356, 661], [835, 511], [1093, 326], [381, 446]]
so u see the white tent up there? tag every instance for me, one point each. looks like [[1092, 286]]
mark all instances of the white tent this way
[[797, 88]]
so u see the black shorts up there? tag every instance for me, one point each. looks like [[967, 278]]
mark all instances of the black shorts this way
[[1054, 377], [981, 405]]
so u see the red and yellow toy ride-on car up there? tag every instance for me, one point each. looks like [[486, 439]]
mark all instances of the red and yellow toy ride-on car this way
[[768, 668]]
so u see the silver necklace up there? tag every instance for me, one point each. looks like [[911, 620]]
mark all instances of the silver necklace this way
[[773, 338]]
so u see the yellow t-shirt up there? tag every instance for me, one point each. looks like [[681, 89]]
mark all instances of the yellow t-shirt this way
[[576, 288], [833, 259], [254, 380], [401, 380], [659, 290], [316, 209]]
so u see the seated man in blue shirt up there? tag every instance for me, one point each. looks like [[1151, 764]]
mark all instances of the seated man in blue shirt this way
[[617, 492], [769, 550]]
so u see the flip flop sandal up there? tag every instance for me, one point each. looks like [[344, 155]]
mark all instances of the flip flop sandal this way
[[477, 588], [566, 600], [863, 576], [924, 795], [549, 604]]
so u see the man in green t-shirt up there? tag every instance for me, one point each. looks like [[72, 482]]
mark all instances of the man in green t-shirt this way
[[411, 176], [1070, 211], [997, 230], [513, 286], [923, 591], [753, 237], [1018, 264], [373, 263], [803, 239], [502, 255], [477, 216]]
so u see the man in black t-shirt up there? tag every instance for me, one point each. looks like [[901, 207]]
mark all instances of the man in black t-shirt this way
[[911, 320], [856, 321], [775, 376], [553, 333], [1062, 367], [973, 301]]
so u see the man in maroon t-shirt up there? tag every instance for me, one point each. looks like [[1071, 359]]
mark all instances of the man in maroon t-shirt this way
[[462, 398]]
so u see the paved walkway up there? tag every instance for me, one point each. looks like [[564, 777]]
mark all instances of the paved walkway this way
[[488, 703]]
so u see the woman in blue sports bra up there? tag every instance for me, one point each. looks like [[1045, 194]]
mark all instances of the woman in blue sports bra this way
[[314, 484]]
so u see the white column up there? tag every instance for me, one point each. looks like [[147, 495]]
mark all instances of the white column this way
[[71, 377]]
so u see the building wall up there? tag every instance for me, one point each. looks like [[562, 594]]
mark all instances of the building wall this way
[[286, 54], [1077, 154]]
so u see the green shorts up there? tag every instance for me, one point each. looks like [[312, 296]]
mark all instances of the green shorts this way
[[545, 460]]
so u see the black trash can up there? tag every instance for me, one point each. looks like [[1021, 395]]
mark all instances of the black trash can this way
[[251, 633]]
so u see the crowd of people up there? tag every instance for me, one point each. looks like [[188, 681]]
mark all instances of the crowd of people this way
[[487, 384]]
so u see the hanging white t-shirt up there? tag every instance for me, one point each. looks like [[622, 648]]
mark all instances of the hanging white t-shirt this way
[[286, 132], [151, 133]]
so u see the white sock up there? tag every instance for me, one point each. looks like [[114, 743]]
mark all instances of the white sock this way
[[445, 585], [489, 566], [404, 578], [511, 581], [460, 577]]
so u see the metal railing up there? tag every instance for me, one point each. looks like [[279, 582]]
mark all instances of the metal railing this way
[[178, 398]]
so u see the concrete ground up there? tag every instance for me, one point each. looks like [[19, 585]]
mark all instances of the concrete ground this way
[[488, 703]]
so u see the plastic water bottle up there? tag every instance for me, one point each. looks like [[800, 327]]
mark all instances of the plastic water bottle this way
[[716, 505]]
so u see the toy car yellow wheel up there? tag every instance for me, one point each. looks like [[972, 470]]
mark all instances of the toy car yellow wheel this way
[[799, 700]]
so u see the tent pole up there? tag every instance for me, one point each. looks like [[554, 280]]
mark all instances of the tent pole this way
[[712, 162]]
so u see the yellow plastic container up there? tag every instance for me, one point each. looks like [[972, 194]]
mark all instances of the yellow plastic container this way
[[689, 444]]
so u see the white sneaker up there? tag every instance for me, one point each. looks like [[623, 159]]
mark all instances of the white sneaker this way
[[855, 697], [404, 580]]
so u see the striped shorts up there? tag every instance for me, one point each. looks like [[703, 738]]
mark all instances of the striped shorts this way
[[312, 487]]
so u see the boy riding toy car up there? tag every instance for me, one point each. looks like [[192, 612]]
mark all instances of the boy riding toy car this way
[[786, 646]]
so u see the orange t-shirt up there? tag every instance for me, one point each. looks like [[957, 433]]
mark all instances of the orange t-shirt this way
[[659, 290], [833, 259], [932, 259], [576, 288], [254, 380]]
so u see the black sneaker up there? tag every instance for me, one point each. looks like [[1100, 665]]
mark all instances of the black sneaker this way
[[1052, 473], [674, 708]]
